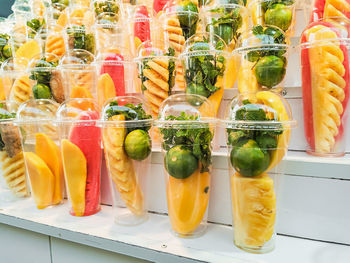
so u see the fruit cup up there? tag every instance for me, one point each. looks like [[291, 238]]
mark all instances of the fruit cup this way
[[42, 156], [45, 78], [326, 85], [227, 21], [187, 123], [13, 180], [274, 13], [106, 6], [80, 37], [52, 40], [205, 67], [79, 74], [79, 15], [127, 146], [116, 75], [258, 127], [81, 149], [15, 80], [264, 55]]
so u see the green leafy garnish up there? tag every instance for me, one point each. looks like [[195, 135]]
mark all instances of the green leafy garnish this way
[[79, 39], [188, 16], [270, 4], [197, 139], [107, 6], [36, 25], [44, 76], [130, 112]]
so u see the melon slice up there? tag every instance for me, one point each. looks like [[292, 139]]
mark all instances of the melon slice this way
[[49, 152], [88, 139], [41, 180], [105, 88], [76, 172]]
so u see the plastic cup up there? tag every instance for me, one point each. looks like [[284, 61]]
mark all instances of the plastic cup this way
[[39, 136], [106, 6], [15, 80], [258, 127], [264, 54], [324, 57], [13, 179], [227, 21], [80, 15], [127, 146], [80, 37], [80, 140], [79, 74], [45, 78], [55, 11], [52, 40], [266, 12], [205, 67], [187, 125]]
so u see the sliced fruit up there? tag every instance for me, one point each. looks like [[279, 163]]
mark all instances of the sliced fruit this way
[[2, 90], [49, 152], [88, 139], [246, 81], [74, 164], [187, 201], [274, 101], [28, 50], [41, 180], [81, 93], [62, 19], [254, 209], [105, 88]]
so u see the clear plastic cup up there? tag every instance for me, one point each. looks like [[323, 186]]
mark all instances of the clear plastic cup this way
[[79, 74], [45, 78], [127, 146], [80, 37], [13, 179], [56, 10], [81, 149], [187, 124], [52, 40], [15, 80], [116, 75], [324, 57], [106, 6], [227, 21], [42, 156], [205, 67], [156, 71], [264, 61], [270, 12], [80, 15], [258, 127]]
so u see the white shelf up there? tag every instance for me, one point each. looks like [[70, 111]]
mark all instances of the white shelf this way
[[153, 241]]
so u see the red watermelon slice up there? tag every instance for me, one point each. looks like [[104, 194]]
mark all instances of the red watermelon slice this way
[[88, 138]]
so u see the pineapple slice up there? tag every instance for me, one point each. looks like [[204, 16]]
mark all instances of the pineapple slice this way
[[336, 8], [254, 209]]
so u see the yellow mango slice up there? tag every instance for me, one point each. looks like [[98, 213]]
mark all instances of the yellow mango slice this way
[[75, 170], [49, 152], [2, 90], [28, 50], [105, 89], [62, 19], [273, 100], [41, 180], [187, 201]]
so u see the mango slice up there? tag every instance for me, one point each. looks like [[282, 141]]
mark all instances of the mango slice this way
[[41, 180], [187, 201], [105, 89], [75, 170], [28, 50], [49, 152]]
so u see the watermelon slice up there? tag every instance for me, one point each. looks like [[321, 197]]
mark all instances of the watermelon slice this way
[[88, 139], [115, 69]]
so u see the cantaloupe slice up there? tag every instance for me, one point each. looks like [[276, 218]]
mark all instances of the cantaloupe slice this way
[[47, 150], [105, 89], [41, 180], [81, 93], [75, 170], [28, 50]]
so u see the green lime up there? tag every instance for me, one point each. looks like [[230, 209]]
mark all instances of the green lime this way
[[137, 145], [249, 159], [270, 71], [279, 15], [6, 51], [180, 162], [197, 89], [41, 91]]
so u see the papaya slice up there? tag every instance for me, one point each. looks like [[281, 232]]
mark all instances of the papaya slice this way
[[188, 201], [105, 89], [81, 93], [273, 100], [88, 139], [41, 180], [74, 163], [49, 152]]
